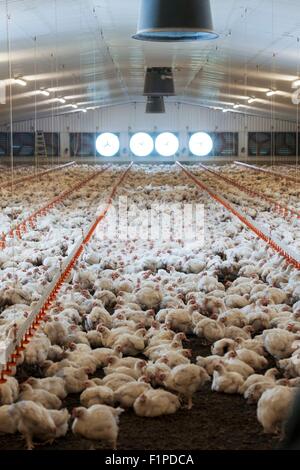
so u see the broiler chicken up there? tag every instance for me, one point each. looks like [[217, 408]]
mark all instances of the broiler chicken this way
[[54, 385], [279, 343], [74, 378], [273, 409], [186, 379], [154, 403], [209, 329], [149, 298], [126, 395], [8, 423], [9, 391], [179, 320], [46, 399], [116, 380], [97, 423], [96, 395], [56, 331], [33, 420], [37, 350], [225, 381]]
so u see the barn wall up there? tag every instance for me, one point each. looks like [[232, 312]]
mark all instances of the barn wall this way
[[182, 118], [177, 118]]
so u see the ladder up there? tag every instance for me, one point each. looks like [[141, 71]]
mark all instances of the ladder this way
[[40, 144]]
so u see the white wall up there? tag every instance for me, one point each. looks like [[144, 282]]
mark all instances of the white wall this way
[[182, 118], [177, 117]]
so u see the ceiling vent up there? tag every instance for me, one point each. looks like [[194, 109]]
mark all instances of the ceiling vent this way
[[175, 21]]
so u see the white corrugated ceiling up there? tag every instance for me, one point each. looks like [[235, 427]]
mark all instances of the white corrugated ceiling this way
[[82, 50]]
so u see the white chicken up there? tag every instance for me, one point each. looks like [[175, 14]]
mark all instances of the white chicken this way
[[37, 350], [211, 330], [126, 395], [273, 408], [149, 298], [61, 420], [74, 378], [46, 399], [234, 364], [33, 420], [225, 381], [129, 344], [186, 379], [279, 343], [135, 372], [97, 316], [255, 391], [56, 331], [8, 423], [97, 423], [179, 320], [95, 338], [154, 403], [96, 395], [269, 376], [9, 391], [234, 317], [223, 346], [54, 385], [236, 301], [116, 380], [173, 359], [209, 363], [251, 358]]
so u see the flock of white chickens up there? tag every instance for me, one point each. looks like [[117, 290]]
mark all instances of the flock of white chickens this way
[[117, 332]]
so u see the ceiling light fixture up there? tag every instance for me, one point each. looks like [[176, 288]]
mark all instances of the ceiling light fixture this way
[[296, 84], [175, 21], [251, 100], [271, 93], [20, 81], [43, 92], [71, 106], [60, 100], [236, 106]]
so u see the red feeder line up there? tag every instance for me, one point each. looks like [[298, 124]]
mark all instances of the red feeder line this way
[[266, 238], [39, 175], [55, 290], [269, 172], [283, 210], [31, 219]]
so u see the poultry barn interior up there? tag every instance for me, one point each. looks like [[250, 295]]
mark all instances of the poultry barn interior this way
[[149, 225]]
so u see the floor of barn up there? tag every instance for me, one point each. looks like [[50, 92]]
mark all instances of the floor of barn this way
[[216, 422]]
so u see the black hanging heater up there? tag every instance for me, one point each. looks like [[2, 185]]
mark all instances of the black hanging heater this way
[[155, 105], [159, 82], [175, 21]]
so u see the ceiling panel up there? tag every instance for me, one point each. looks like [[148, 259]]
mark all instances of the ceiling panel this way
[[82, 50]]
